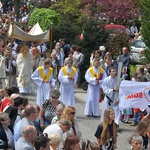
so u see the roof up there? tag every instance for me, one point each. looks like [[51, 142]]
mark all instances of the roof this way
[[36, 34]]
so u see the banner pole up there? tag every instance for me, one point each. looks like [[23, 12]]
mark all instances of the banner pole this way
[[118, 80]]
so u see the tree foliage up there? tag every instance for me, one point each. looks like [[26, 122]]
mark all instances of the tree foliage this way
[[145, 23], [116, 41], [64, 30], [45, 17], [70, 11], [94, 35], [118, 11], [44, 4]]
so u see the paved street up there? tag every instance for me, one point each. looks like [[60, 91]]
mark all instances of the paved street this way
[[88, 125]]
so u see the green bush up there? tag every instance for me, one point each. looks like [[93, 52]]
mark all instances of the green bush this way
[[45, 17], [132, 70]]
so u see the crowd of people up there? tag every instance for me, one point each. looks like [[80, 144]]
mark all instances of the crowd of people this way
[[53, 115], [51, 126], [51, 123]]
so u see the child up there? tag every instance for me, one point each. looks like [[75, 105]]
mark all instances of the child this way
[[106, 133], [126, 112]]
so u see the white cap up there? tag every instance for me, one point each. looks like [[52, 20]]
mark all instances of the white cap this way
[[102, 48]]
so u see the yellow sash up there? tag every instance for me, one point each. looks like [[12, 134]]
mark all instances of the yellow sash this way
[[98, 75], [64, 70], [42, 75]]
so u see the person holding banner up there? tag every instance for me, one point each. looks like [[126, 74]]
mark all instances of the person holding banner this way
[[94, 76], [128, 111], [137, 112], [109, 88]]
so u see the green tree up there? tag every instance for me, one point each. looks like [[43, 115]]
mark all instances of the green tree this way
[[45, 17], [145, 23], [64, 30], [94, 35], [70, 12], [71, 19], [116, 41]]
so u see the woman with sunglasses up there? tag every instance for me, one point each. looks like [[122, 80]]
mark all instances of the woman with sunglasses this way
[[48, 108], [69, 113]]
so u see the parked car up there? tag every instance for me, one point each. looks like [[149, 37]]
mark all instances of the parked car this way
[[115, 27], [137, 51]]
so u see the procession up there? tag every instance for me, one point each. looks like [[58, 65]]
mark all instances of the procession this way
[[44, 103]]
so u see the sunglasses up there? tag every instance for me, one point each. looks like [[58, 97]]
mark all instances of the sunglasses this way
[[73, 113], [54, 97]]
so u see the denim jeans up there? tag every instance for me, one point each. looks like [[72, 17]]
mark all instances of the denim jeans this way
[[137, 117]]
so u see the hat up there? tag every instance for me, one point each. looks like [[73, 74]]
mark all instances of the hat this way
[[54, 93], [102, 48]]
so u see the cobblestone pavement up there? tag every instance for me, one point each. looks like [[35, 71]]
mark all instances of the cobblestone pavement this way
[[88, 125]]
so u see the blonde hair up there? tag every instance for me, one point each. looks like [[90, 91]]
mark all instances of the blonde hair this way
[[66, 113], [107, 55], [47, 61], [2, 92], [54, 139], [3, 116]]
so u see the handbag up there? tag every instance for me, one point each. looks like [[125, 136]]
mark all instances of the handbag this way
[[3, 145]]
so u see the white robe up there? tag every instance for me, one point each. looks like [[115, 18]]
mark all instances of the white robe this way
[[93, 93], [25, 69], [44, 88], [108, 85], [2, 68], [67, 87], [2, 71]]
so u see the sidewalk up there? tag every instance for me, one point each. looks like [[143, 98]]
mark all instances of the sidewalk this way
[[88, 125]]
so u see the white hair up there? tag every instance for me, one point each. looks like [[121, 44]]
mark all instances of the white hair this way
[[54, 138]]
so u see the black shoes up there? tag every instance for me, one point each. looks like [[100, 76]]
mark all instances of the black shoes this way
[[91, 116], [118, 129]]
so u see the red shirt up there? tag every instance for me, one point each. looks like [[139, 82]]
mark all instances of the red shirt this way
[[5, 102], [136, 110]]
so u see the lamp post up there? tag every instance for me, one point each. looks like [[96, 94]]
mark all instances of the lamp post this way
[[51, 26]]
